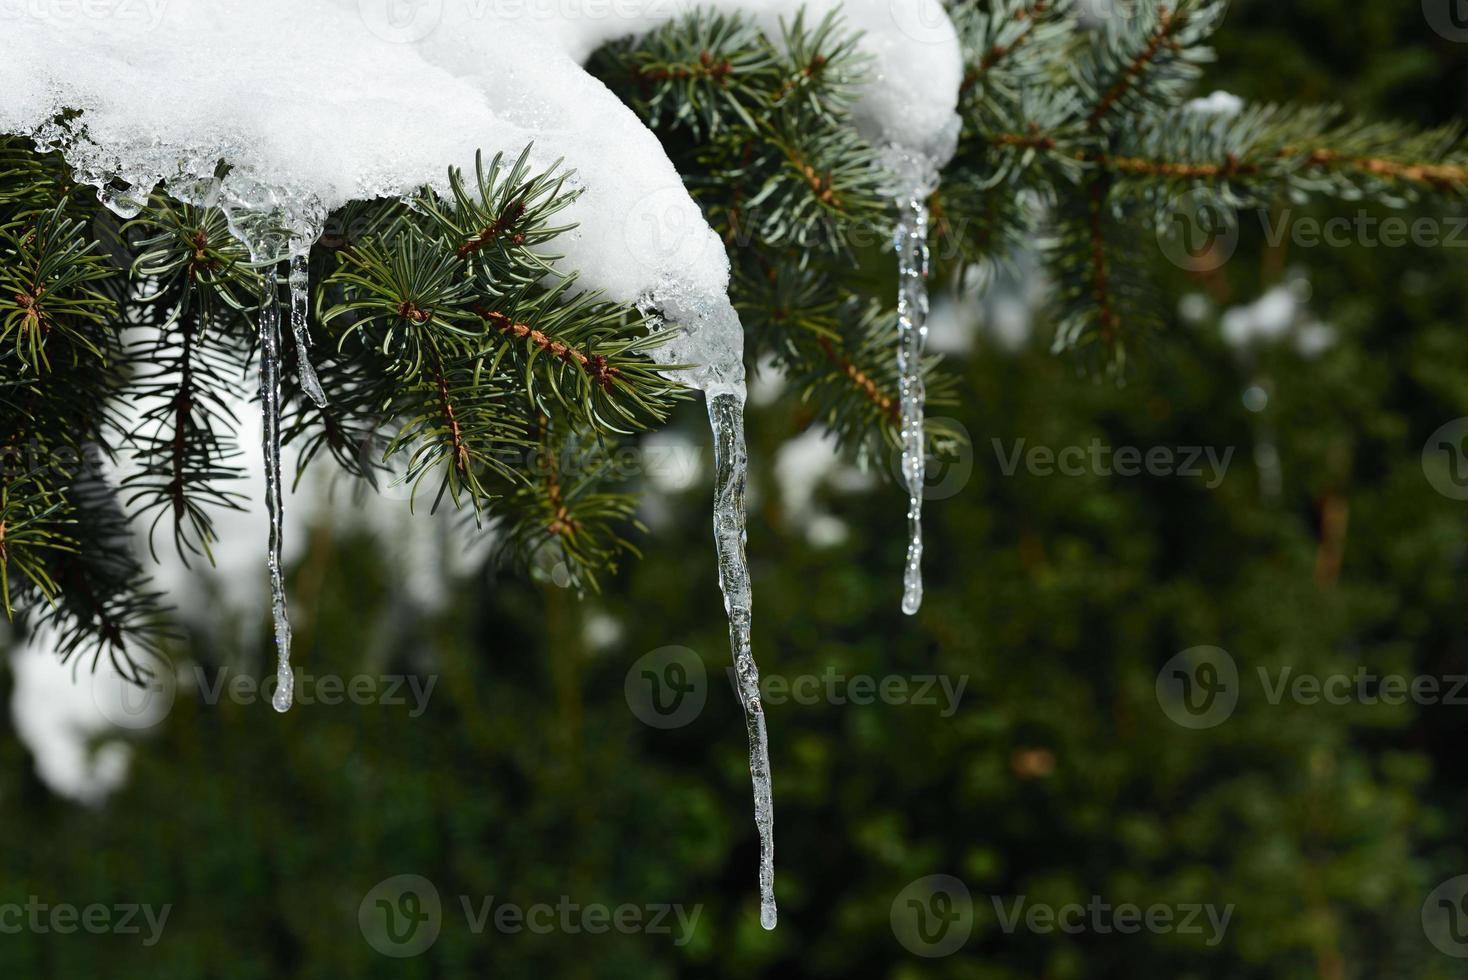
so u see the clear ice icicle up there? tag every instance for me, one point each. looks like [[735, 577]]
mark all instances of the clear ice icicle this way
[[125, 202], [912, 328], [266, 220], [709, 336], [285, 680], [300, 283], [731, 469]]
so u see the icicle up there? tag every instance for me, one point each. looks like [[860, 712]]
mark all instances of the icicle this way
[[912, 328], [300, 283], [127, 201], [267, 219], [708, 334], [285, 680], [731, 468]]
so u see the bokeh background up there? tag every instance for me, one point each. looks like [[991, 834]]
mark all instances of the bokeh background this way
[[527, 775]]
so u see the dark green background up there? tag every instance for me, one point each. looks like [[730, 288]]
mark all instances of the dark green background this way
[[1059, 598]]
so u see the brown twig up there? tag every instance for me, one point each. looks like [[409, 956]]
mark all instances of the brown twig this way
[[595, 365], [888, 405], [456, 435], [504, 223], [1443, 176], [1161, 38]]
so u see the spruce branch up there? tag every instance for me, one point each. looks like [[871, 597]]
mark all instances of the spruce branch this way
[[47, 289], [564, 516], [453, 347], [1146, 60], [711, 74], [191, 280]]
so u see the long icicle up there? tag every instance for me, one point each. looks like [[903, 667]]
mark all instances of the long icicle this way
[[300, 283], [285, 680], [731, 471], [912, 329]]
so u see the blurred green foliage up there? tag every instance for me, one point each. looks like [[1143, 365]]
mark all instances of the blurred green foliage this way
[[1058, 598]]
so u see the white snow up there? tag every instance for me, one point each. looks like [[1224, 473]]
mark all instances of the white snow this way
[[803, 466], [64, 717], [1219, 103], [1264, 319], [1283, 311], [327, 102]]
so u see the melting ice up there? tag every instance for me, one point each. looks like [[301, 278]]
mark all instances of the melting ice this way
[[264, 94]]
